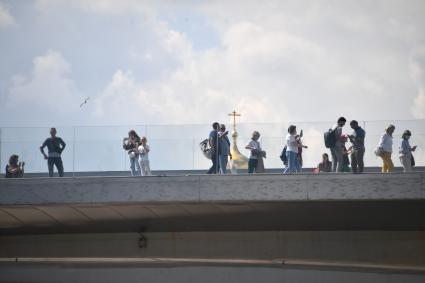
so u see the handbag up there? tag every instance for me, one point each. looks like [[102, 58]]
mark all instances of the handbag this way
[[206, 149], [412, 161], [379, 152]]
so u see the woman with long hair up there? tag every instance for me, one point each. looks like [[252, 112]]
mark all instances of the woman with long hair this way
[[130, 144]]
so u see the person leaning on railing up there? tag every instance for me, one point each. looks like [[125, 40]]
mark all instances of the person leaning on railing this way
[[15, 169]]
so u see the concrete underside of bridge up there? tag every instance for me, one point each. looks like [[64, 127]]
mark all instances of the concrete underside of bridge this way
[[298, 228]]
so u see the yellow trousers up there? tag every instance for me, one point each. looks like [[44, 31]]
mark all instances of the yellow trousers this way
[[388, 165]]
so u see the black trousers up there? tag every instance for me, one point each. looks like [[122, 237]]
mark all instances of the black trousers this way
[[57, 161], [215, 168]]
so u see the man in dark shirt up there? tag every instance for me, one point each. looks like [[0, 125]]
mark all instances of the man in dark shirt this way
[[55, 146], [215, 149], [357, 154]]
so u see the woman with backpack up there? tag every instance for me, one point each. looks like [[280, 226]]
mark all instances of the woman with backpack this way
[[385, 149]]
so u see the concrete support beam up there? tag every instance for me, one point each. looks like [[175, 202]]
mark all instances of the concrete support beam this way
[[368, 247]]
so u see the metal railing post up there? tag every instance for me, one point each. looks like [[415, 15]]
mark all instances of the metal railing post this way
[[73, 153], [193, 153]]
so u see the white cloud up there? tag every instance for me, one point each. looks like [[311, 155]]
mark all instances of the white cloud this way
[[417, 72], [47, 92], [6, 19], [281, 60], [418, 107]]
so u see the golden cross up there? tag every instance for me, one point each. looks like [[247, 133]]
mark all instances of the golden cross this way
[[234, 114]]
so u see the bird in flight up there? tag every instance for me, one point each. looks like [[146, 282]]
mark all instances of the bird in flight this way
[[85, 102]]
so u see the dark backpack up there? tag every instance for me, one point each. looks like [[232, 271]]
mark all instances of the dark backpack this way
[[330, 138], [283, 156]]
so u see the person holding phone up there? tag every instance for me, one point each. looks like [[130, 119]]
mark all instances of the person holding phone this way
[[300, 149], [130, 144], [292, 143], [405, 151], [357, 139], [14, 169]]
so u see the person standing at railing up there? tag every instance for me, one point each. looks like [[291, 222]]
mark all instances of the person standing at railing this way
[[345, 153], [358, 149], [385, 149], [14, 169], [405, 151], [131, 144], [292, 146], [214, 142], [144, 150], [333, 142], [225, 149], [300, 150], [55, 146], [255, 154]]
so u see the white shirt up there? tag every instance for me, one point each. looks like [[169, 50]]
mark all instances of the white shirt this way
[[144, 152], [386, 142], [291, 143], [255, 145]]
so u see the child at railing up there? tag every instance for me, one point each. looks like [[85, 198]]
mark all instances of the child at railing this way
[[144, 150]]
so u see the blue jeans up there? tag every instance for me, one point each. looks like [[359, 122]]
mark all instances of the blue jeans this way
[[252, 165], [215, 168], [293, 163], [134, 165], [223, 163]]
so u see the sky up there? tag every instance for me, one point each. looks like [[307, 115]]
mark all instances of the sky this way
[[185, 62]]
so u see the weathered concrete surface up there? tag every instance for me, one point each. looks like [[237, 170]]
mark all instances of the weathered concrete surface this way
[[367, 247], [213, 203], [202, 188]]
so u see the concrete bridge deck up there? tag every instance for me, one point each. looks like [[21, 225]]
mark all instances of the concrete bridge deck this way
[[213, 203], [325, 228]]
